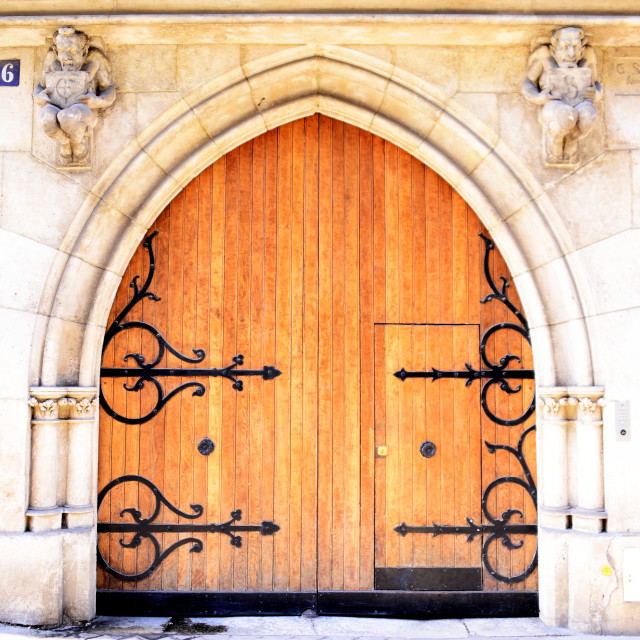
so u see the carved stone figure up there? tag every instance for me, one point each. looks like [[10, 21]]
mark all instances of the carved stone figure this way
[[75, 84], [563, 80]]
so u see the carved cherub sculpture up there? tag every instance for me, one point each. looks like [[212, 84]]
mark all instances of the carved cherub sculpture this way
[[75, 84], [563, 80]]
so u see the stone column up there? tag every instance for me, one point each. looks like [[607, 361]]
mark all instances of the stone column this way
[[44, 513], [554, 509], [589, 513], [80, 407]]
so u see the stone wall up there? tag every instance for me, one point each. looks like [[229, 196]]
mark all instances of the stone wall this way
[[445, 88]]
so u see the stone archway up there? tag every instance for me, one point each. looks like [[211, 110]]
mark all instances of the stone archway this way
[[244, 103], [230, 110]]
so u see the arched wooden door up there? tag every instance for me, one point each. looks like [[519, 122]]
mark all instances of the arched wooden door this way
[[315, 395]]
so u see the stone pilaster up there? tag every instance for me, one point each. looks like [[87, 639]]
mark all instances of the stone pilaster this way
[[81, 404], [589, 513], [556, 409], [61, 457], [46, 423]]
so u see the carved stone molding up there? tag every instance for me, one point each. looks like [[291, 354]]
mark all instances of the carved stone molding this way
[[562, 81]]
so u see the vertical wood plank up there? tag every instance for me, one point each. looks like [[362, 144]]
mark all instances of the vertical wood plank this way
[[325, 363], [309, 435]]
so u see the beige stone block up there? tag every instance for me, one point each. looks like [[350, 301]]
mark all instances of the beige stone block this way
[[505, 191], [408, 109], [345, 111], [24, 265], [589, 589], [494, 69], [616, 360], [621, 118], [79, 561], [607, 265], [143, 176], [15, 344], [555, 281], [635, 188], [42, 214], [359, 86], [283, 84], [484, 106], [290, 111], [151, 105], [198, 64], [619, 617], [553, 565], [15, 104], [144, 67], [238, 134], [528, 223], [31, 588], [91, 357], [14, 463], [77, 289], [256, 57], [390, 130], [116, 128], [379, 51], [590, 208], [226, 108], [105, 295], [437, 66], [455, 140], [62, 352], [571, 352], [353, 58], [100, 240], [543, 358], [443, 165]]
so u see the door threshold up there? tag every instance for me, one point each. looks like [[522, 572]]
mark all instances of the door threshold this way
[[420, 605]]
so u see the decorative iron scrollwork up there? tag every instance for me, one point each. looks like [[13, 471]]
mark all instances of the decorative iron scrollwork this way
[[149, 371], [497, 528], [492, 372], [146, 528]]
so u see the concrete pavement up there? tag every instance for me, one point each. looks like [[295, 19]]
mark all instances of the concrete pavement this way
[[298, 628]]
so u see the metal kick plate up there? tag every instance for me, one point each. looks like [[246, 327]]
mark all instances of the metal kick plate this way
[[428, 578]]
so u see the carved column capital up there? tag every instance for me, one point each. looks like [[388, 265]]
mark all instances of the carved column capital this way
[[590, 402], [555, 403], [45, 402], [81, 403]]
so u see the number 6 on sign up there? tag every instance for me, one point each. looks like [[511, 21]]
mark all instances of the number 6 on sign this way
[[9, 73]]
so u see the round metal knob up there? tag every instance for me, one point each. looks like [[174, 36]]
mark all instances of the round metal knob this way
[[206, 446], [428, 449]]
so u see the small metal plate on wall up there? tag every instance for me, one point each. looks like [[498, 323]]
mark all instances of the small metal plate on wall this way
[[206, 446], [428, 579]]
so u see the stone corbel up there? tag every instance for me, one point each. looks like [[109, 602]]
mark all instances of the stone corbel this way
[[562, 82], [61, 457], [73, 89]]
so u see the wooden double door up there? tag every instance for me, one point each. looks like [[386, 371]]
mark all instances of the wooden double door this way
[[330, 261]]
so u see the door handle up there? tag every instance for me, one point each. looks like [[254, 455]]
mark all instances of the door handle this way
[[428, 449]]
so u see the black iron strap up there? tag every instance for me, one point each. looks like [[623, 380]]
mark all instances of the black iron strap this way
[[149, 371]]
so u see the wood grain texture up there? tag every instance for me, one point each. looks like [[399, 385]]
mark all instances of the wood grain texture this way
[[333, 255]]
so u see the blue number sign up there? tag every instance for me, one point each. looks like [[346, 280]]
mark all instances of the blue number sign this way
[[9, 73]]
